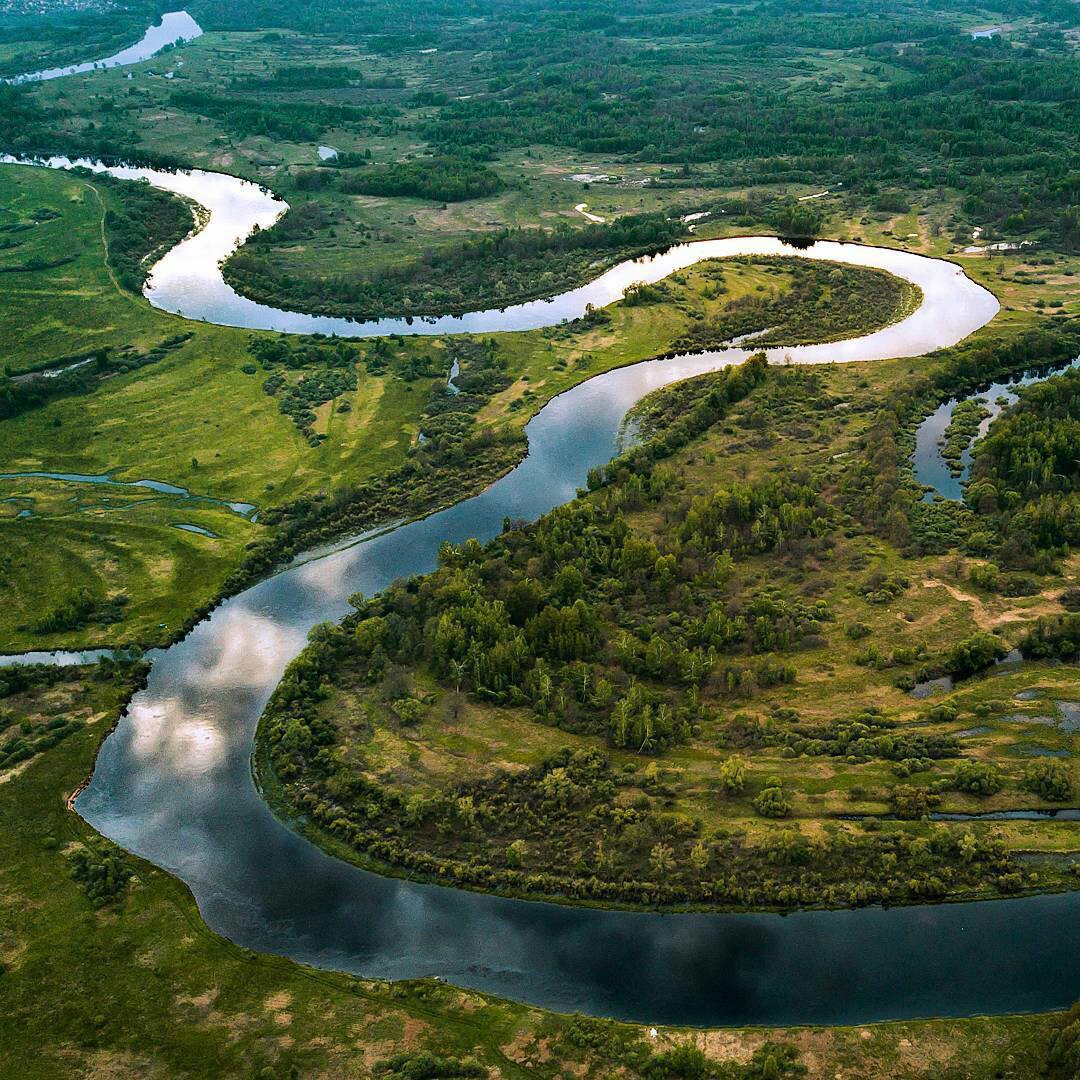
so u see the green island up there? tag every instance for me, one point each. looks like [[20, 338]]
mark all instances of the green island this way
[[754, 666]]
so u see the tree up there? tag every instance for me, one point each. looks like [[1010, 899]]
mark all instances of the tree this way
[[732, 775], [1049, 778], [662, 859], [772, 801]]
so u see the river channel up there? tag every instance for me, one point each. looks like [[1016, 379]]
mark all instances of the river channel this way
[[173, 782]]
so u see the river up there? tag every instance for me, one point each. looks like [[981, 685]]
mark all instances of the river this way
[[173, 782], [175, 26]]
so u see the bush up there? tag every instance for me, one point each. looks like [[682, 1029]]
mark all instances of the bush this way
[[977, 778], [772, 801], [423, 1065], [1049, 779]]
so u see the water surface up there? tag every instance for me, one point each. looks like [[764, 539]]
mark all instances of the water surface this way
[[173, 783], [175, 26], [188, 280]]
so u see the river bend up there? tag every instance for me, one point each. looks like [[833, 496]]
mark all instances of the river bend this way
[[173, 782]]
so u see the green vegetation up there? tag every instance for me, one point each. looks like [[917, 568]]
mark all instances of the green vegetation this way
[[613, 704], [172, 998], [141, 223], [824, 302], [691, 686], [1025, 475], [494, 270], [439, 179], [959, 435], [908, 130]]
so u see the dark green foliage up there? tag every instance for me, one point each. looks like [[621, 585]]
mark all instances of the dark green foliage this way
[[141, 222], [867, 737], [825, 300], [494, 269], [35, 739], [424, 1065], [103, 872], [79, 610], [772, 801], [911, 802], [878, 487], [1063, 1052], [596, 629], [1053, 637], [977, 778], [974, 654], [1049, 778], [290, 122], [329, 370], [1026, 473], [440, 179], [84, 372]]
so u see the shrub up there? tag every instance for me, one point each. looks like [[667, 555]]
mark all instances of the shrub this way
[[977, 778], [772, 801], [1049, 779]]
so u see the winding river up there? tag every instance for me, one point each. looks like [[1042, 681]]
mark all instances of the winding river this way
[[175, 26], [173, 783]]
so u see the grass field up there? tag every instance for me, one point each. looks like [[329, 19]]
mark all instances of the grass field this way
[[140, 987], [196, 419]]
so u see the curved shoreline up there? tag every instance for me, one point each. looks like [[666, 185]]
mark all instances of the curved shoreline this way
[[173, 784], [174, 27], [188, 280]]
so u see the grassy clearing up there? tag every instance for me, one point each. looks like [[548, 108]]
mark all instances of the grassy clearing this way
[[170, 998]]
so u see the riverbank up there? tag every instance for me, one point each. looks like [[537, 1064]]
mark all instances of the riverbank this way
[[410, 761], [208, 1003]]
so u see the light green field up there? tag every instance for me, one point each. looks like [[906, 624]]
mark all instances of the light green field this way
[[195, 419]]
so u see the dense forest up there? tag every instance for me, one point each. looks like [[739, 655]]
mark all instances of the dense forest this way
[[641, 644], [1026, 475]]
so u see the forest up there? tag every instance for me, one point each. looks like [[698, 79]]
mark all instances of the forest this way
[[633, 644]]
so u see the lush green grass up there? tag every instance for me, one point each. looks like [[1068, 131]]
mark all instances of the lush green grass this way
[[141, 987], [196, 419], [76, 306]]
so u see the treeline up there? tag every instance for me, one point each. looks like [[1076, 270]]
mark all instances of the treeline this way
[[30, 737], [287, 121], [495, 269], [65, 35], [440, 179], [79, 373], [977, 117], [290, 77]]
